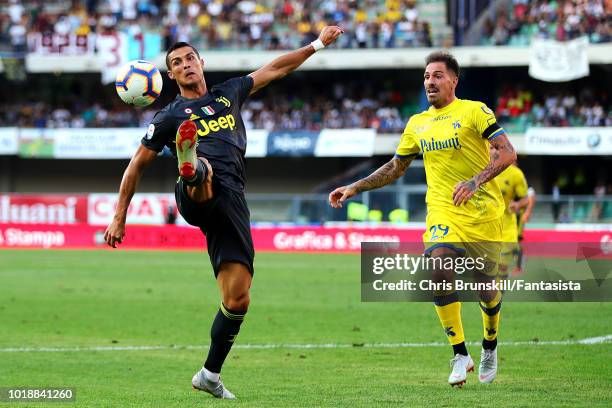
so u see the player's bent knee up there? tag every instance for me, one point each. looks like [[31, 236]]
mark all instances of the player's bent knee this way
[[487, 295], [440, 272], [235, 281], [238, 303]]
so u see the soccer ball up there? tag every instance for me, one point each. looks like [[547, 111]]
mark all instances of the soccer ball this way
[[138, 83]]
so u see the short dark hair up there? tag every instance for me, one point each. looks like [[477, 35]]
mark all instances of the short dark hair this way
[[443, 56], [176, 46]]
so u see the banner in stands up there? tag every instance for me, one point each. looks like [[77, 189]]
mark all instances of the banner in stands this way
[[113, 143], [113, 53], [569, 141], [555, 61], [345, 142], [292, 143], [51, 43], [43, 209], [121, 143], [277, 239], [257, 143], [149, 209], [143, 45], [9, 141], [36, 143]]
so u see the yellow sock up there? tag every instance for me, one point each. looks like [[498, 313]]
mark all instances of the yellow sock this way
[[450, 317], [490, 317]]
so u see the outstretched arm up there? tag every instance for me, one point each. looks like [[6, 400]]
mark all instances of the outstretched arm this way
[[502, 155], [116, 230], [289, 62], [387, 173]]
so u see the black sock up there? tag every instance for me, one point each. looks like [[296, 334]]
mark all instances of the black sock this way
[[489, 344], [200, 174], [460, 349], [223, 332]]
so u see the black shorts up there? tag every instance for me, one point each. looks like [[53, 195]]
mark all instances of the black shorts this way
[[225, 220]]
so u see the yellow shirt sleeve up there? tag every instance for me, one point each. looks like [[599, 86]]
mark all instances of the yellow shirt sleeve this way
[[408, 145], [485, 122]]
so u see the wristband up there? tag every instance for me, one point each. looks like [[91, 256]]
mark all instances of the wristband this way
[[317, 44]]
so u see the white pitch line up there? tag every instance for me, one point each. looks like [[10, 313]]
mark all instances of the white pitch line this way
[[596, 340], [586, 341]]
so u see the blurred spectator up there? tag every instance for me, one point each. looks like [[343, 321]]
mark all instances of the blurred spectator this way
[[17, 33], [501, 32], [171, 214], [556, 201], [600, 192], [15, 11]]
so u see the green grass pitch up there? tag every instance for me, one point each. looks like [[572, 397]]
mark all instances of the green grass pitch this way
[[86, 299]]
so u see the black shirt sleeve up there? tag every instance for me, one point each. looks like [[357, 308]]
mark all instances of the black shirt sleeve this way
[[159, 132], [237, 89]]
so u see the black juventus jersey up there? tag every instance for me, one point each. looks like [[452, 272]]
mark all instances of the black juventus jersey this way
[[222, 137]]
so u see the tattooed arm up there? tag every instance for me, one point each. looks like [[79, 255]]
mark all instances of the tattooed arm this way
[[502, 154], [387, 173]]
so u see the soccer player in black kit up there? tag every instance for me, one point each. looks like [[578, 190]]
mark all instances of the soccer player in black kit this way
[[204, 130]]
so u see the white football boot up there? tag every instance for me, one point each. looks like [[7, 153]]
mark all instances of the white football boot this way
[[216, 389], [487, 370], [461, 365]]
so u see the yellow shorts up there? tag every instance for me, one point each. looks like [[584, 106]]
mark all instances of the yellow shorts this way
[[471, 240], [510, 228]]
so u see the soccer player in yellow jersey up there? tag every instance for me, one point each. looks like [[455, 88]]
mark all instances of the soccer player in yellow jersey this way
[[513, 186], [464, 205]]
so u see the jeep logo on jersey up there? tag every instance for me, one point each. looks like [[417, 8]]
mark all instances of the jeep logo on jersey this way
[[208, 110], [222, 122]]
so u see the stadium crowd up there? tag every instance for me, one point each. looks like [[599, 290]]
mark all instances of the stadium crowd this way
[[287, 24], [550, 19], [226, 24], [559, 108], [345, 105]]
